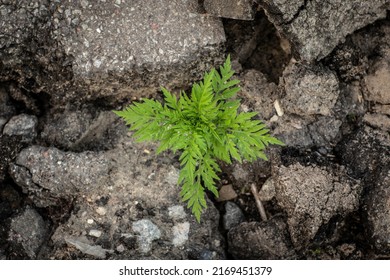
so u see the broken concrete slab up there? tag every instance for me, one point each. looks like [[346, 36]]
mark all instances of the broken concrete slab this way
[[315, 28], [373, 152], [380, 121], [266, 240], [255, 87], [310, 90], [83, 129], [28, 231], [49, 174], [107, 52], [306, 132], [118, 196], [367, 155], [311, 196], [234, 9], [377, 83]]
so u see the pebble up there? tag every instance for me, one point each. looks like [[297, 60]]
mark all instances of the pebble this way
[[227, 193], [92, 250], [233, 216], [148, 232], [120, 248], [267, 191], [180, 233], [23, 125], [101, 211], [95, 233], [176, 212]]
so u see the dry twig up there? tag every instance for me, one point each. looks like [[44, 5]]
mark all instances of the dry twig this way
[[259, 204]]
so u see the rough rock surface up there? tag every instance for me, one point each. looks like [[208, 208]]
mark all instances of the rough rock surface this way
[[377, 83], [255, 87], [22, 125], [83, 129], [236, 9], [364, 151], [28, 230], [308, 131], [316, 27], [311, 196], [380, 121], [376, 91], [371, 165], [310, 99], [325, 131], [37, 170], [266, 240], [233, 216], [123, 205], [294, 131], [83, 51], [310, 90]]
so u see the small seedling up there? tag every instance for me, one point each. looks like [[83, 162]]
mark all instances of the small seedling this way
[[204, 126]]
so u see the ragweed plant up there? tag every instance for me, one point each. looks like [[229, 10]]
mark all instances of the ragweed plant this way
[[204, 126]]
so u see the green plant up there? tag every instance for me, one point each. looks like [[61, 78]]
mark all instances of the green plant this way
[[204, 126]]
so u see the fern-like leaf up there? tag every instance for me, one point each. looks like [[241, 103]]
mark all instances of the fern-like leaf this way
[[204, 126]]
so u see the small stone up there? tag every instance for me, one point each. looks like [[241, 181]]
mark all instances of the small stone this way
[[347, 249], [226, 193], [29, 231], [177, 212], [101, 211], [180, 233], [22, 125], [274, 118], [95, 251], [207, 255], [233, 216], [267, 191], [84, 4], [120, 248], [95, 233], [148, 232], [172, 176]]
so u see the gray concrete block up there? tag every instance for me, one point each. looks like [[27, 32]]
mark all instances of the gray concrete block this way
[[316, 27], [235, 9]]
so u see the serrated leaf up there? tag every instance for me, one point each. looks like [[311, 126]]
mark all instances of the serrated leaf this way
[[204, 127], [170, 99]]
